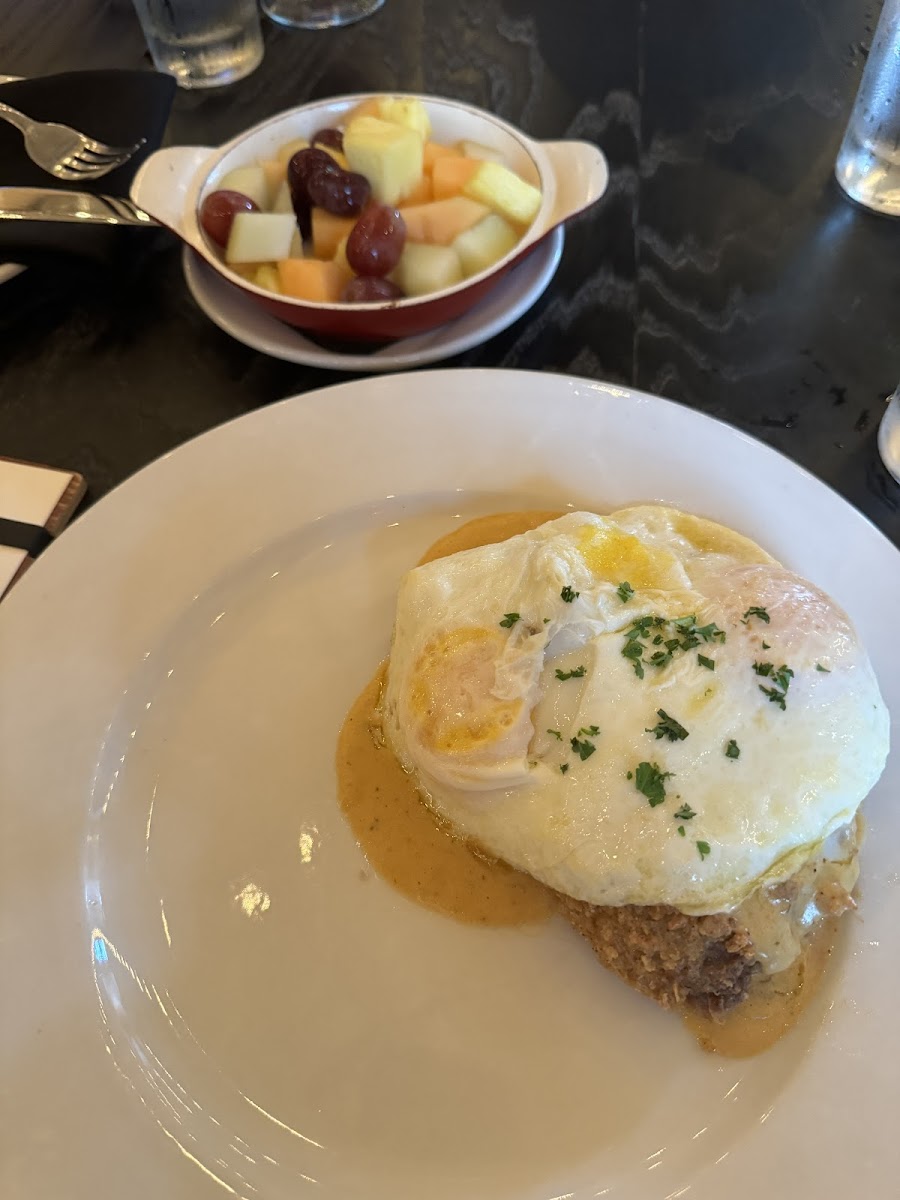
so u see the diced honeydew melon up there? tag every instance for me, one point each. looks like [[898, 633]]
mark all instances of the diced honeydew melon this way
[[404, 110], [485, 243], [505, 192], [282, 202], [249, 181], [423, 269], [287, 150], [389, 155], [479, 150], [260, 237], [267, 277], [439, 222], [274, 172]]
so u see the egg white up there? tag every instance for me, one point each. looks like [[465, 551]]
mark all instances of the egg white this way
[[472, 695]]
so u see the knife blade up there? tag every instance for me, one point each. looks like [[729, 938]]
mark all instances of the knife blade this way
[[57, 204]]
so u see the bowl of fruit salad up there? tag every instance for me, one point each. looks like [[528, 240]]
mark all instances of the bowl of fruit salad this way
[[370, 217]]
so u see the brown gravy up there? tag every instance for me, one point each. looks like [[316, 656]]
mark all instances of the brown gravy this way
[[418, 855]]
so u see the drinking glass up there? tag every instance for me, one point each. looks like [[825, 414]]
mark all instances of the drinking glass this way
[[889, 436], [203, 43], [319, 14], [868, 164]]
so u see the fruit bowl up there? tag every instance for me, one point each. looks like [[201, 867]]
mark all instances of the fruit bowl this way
[[172, 184]]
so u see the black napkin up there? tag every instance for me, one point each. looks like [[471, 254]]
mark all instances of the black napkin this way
[[118, 107]]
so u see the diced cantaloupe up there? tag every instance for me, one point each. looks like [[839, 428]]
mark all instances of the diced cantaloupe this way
[[282, 202], [259, 237], [505, 192], [340, 256], [389, 155], [405, 110], [479, 150], [432, 151], [423, 269], [312, 280], [286, 152], [485, 243], [439, 222], [249, 181], [274, 172], [266, 276], [450, 174], [421, 193], [327, 231]]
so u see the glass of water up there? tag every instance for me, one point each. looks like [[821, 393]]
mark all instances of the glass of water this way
[[868, 164], [203, 43], [319, 14]]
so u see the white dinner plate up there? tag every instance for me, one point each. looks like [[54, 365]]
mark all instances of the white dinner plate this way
[[205, 990], [233, 312]]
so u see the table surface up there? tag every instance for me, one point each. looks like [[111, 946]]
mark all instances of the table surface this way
[[723, 269]]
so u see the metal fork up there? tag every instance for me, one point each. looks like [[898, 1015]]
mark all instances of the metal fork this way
[[63, 151]]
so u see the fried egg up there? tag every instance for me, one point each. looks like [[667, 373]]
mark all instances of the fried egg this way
[[639, 708]]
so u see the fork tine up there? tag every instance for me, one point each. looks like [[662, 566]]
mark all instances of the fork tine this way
[[113, 151], [95, 159]]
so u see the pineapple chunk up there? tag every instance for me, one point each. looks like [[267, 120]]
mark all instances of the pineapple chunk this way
[[389, 155], [340, 256], [505, 192], [249, 181], [274, 172], [267, 277], [282, 202], [285, 153], [337, 155], [402, 110], [295, 250], [485, 244], [424, 269], [259, 237]]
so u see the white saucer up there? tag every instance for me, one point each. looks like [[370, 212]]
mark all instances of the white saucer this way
[[228, 308]]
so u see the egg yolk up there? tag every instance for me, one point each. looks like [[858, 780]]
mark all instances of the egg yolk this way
[[613, 556], [451, 692]]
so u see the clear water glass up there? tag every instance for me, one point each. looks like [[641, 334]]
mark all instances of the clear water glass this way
[[889, 436], [868, 164], [203, 43], [319, 14]]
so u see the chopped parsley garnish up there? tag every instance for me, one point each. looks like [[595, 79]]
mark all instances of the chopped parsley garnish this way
[[629, 775], [555, 733], [681, 830], [546, 620], [766, 646], [685, 813], [703, 847], [568, 594], [588, 731], [583, 748], [824, 670], [563, 767], [755, 611], [709, 663], [509, 619], [781, 678], [625, 591], [668, 727], [576, 673], [650, 782], [732, 750], [686, 635]]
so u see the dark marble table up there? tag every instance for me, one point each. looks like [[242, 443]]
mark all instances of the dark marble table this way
[[724, 268]]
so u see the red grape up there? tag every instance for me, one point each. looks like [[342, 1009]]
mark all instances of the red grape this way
[[328, 137], [217, 213], [315, 178], [369, 289], [376, 241]]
